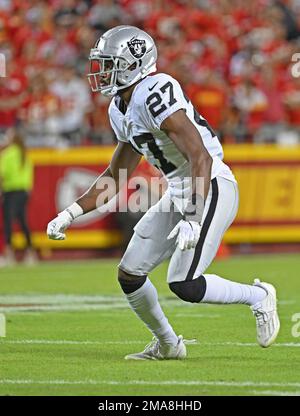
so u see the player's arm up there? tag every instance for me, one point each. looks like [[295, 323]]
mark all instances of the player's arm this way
[[124, 157], [186, 137], [184, 134]]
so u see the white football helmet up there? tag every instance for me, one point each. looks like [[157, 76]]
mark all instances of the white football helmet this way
[[122, 56]]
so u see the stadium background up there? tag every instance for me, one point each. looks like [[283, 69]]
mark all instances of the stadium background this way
[[68, 324], [233, 58]]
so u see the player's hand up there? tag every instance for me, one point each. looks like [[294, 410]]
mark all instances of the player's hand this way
[[188, 233], [56, 227]]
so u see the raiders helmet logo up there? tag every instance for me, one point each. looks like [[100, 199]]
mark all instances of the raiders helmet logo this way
[[137, 47]]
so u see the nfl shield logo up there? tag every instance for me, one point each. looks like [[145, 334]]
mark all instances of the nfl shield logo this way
[[137, 47]]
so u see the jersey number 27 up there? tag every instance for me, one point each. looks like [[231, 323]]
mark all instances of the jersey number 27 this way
[[154, 100]]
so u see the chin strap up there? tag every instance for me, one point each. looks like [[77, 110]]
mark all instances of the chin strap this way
[[110, 91]]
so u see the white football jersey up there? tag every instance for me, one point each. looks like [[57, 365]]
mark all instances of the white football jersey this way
[[154, 99]]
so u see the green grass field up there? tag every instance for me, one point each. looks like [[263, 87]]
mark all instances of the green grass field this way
[[69, 328]]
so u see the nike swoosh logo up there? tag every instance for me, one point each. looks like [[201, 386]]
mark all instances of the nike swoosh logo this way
[[150, 89]]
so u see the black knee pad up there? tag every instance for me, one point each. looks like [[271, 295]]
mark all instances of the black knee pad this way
[[190, 290], [129, 282]]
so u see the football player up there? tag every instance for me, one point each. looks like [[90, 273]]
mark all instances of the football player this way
[[151, 116]]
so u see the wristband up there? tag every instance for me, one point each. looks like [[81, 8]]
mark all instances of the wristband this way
[[74, 210]]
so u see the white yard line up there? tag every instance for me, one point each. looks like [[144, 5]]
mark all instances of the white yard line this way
[[87, 342], [91, 307], [154, 383], [62, 302], [63, 308], [69, 342], [252, 344], [275, 392], [60, 298]]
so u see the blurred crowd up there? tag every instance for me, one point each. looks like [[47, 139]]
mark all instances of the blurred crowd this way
[[233, 58]]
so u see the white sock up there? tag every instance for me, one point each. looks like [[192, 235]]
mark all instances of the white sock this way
[[219, 290], [144, 302]]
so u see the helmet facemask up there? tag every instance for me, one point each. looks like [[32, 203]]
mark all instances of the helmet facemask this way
[[104, 71]]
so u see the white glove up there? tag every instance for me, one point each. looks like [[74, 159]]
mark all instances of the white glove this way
[[56, 227], [188, 234]]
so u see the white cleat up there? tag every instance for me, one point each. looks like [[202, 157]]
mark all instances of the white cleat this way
[[155, 351], [265, 312]]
